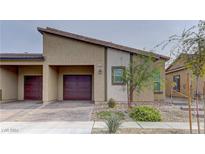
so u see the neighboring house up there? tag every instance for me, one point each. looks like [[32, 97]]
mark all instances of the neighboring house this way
[[176, 79], [73, 67]]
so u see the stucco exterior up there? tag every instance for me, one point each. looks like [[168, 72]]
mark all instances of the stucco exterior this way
[[116, 58], [50, 83], [70, 54], [9, 83], [158, 96], [26, 71], [59, 50], [178, 68], [148, 93], [183, 83], [12, 80], [74, 53], [119, 92]]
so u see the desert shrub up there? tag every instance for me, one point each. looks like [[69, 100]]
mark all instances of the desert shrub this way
[[113, 123], [107, 114], [111, 103], [145, 113]]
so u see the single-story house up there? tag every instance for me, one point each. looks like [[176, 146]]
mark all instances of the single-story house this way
[[72, 67], [176, 79]]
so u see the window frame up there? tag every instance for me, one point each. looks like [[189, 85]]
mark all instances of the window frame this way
[[117, 67], [179, 86], [159, 82], [157, 90]]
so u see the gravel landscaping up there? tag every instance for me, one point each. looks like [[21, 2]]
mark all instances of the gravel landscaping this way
[[98, 108], [170, 112]]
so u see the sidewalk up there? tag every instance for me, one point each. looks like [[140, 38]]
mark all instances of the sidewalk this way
[[56, 127], [78, 127], [152, 125]]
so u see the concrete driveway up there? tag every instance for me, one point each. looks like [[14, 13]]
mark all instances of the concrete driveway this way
[[32, 111]]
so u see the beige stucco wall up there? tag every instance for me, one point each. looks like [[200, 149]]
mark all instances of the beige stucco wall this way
[[171, 72], [64, 51], [24, 71], [68, 52], [69, 56], [73, 70], [50, 83], [51, 76], [160, 64], [183, 80], [147, 93], [169, 82], [116, 58], [9, 82]]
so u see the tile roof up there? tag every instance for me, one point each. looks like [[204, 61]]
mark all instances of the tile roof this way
[[98, 42]]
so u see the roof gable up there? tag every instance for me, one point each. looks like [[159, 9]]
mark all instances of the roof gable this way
[[178, 63]]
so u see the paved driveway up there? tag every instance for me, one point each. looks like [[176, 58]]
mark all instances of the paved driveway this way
[[31, 111]]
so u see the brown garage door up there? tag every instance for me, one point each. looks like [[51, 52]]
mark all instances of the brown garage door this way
[[77, 87], [33, 87]]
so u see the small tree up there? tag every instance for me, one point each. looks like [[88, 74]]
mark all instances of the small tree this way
[[139, 75], [191, 46]]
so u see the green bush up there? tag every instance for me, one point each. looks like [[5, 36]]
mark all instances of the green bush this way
[[107, 114], [113, 123], [111, 103], [145, 113]]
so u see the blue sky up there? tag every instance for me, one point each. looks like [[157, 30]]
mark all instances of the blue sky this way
[[22, 36]]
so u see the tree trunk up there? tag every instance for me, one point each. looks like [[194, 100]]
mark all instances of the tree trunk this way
[[128, 96], [204, 106], [129, 102], [171, 94], [189, 102], [197, 104]]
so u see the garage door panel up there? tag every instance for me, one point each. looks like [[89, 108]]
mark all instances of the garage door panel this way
[[77, 87], [33, 87]]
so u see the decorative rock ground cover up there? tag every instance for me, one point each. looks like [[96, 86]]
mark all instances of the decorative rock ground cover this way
[[169, 112]]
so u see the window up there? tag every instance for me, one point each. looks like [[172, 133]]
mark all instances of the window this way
[[176, 80], [157, 82], [117, 74]]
